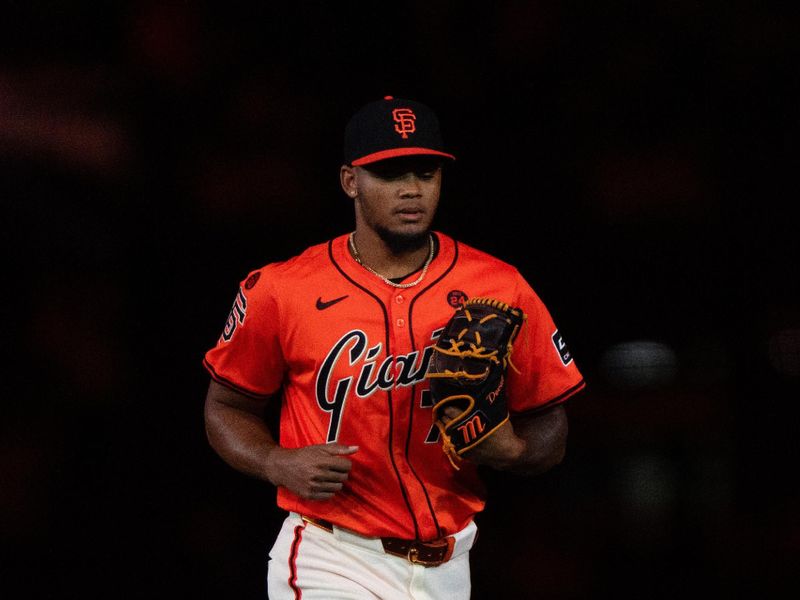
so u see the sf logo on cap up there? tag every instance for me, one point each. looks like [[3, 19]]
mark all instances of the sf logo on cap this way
[[404, 119]]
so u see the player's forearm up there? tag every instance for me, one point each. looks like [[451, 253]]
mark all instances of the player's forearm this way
[[530, 446], [545, 441], [241, 439], [534, 459]]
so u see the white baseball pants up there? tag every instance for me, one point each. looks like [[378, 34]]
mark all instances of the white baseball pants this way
[[310, 563]]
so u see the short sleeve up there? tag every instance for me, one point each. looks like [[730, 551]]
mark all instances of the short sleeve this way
[[248, 356], [544, 372]]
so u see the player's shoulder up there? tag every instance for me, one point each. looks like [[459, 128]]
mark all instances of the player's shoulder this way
[[291, 269], [309, 259], [496, 274], [471, 256]]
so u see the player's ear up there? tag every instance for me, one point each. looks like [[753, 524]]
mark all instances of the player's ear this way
[[347, 177]]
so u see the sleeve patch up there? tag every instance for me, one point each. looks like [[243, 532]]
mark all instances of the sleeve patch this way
[[252, 280], [561, 348]]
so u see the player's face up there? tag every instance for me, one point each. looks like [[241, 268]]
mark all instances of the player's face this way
[[397, 198]]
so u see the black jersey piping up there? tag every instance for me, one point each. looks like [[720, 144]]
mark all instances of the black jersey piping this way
[[229, 384], [414, 387], [388, 393], [560, 399]]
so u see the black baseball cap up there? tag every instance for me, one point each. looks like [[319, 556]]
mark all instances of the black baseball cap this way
[[391, 128]]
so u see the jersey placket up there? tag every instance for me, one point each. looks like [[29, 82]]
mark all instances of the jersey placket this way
[[402, 407]]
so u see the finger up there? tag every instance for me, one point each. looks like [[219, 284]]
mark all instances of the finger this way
[[323, 491], [339, 465], [326, 486], [452, 412], [315, 490], [320, 496], [330, 475], [339, 449]]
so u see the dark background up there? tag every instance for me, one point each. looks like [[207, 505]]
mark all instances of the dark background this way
[[635, 160]]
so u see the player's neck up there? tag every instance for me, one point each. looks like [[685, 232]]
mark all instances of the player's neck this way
[[373, 252]]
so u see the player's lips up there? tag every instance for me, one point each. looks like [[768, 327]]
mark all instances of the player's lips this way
[[410, 213]]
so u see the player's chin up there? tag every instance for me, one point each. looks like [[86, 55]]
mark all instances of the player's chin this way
[[411, 237], [411, 226], [402, 239]]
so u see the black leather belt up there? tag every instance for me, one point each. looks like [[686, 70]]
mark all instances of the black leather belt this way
[[428, 554]]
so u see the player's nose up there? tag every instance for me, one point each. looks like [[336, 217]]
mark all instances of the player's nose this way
[[410, 187]]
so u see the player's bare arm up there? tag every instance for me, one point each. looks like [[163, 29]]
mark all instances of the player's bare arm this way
[[527, 444], [237, 431]]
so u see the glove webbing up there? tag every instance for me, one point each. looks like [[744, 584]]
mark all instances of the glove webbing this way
[[475, 349]]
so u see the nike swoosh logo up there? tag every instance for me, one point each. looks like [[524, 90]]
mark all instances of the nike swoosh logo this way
[[323, 305]]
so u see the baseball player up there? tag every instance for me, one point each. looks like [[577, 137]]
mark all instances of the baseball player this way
[[342, 337]]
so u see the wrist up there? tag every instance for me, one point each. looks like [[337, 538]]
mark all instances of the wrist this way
[[501, 452], [270, 465], [512, 452]]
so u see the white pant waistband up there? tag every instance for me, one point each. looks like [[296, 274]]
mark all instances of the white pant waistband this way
[[462, 541]]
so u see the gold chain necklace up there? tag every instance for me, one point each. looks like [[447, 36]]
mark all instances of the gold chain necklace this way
[[389, 281]]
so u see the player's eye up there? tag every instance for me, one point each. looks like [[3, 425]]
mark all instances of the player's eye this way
[[386, 173], [390, 176]]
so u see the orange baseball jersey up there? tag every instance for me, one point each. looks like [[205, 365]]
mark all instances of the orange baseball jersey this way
[[348, 353]]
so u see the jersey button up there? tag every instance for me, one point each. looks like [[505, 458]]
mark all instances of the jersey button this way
[[400, 322], [399, 298]]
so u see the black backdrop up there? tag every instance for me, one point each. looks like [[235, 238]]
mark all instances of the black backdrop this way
[[635, 160]]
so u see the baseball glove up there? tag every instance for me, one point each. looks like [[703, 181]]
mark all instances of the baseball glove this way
[[467, 371]]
